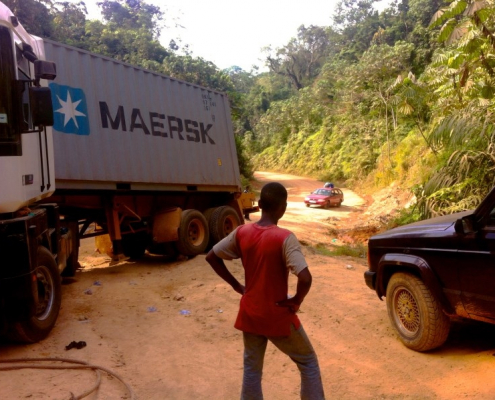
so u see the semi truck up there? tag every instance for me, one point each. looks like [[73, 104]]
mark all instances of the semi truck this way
[[91, 146]]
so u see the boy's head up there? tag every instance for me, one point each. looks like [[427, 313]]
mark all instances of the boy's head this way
[[273, 197]]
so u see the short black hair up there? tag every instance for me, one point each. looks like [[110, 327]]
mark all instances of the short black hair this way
[[272, 196]]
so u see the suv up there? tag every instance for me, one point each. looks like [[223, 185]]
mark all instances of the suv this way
[[433, 269]]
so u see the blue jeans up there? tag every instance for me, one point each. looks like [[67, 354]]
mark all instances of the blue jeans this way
[[298, 347]]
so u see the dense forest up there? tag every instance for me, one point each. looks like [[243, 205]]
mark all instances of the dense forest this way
[[403, 95]]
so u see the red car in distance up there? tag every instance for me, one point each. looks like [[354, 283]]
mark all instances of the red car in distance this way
[[325, 198]]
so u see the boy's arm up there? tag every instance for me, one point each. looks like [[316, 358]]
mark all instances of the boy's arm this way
[[219, 267], [304, 280]]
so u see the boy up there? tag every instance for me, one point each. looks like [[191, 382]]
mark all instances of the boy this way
[[268, 253]]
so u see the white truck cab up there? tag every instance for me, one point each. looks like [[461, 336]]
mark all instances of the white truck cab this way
[[26, 147]]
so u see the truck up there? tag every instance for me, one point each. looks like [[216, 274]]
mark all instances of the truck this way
[[434, 271], [91, 146]]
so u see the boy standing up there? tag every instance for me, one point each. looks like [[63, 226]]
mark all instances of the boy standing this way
[[268, 253]]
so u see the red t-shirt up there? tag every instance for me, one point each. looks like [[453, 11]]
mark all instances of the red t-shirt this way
[[261, 250]]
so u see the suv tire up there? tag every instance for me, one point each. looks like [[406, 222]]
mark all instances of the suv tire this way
[[415, 314]]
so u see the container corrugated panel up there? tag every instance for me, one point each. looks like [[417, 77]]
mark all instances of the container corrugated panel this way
[[115, 123]]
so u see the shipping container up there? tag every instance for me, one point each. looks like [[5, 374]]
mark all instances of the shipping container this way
[[118, 124]]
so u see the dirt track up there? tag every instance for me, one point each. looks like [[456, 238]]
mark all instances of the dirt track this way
[[167, 329]]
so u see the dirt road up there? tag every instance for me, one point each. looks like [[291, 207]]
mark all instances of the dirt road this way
[[167, 329]]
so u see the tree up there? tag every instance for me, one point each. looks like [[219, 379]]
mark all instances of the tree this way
[[301, 59], [128, 33], [197, 70], [357, 21], [350, 13], [69, 23], [373, 75], [133, 14], [33, 15]]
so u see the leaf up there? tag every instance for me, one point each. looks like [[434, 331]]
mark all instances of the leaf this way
[[446, 30], [457, 7], [484, 13], [487, 92], [410, 93], [438, 18], [406, 108], [456, 61], [457, 33], [475, 7]]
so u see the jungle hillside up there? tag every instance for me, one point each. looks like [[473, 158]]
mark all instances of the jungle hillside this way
[[401, 95]]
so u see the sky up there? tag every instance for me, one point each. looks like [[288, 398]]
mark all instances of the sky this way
[[232, 32]]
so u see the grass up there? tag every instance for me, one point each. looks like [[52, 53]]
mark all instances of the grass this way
[[406, 216], [355, 250]]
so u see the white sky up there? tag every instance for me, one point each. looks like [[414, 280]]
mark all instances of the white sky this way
[[230, 32]]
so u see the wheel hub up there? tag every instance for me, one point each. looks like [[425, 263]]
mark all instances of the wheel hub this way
[[407, 311], [45, 295], [195, 233], [228, 226]]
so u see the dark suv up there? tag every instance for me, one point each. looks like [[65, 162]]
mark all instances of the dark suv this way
[[434, 269]]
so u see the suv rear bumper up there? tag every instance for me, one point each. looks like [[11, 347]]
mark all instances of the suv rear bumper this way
[[370, 279]]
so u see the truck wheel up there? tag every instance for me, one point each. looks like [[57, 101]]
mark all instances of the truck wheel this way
[[208, 213], [48, 299], [134, 245], [415, 314], [223, 221], [193, 233]]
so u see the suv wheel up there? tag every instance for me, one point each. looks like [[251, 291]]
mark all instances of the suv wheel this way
[[415, 314]]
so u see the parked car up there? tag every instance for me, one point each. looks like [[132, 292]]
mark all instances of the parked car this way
[[325, 197], [434, 269]]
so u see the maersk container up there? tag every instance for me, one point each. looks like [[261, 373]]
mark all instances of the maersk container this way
[[118, 125]]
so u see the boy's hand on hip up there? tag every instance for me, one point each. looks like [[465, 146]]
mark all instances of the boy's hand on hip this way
[[239, 288], [292, 304]]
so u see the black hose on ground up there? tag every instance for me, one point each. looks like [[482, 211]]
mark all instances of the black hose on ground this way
[[82, 365]]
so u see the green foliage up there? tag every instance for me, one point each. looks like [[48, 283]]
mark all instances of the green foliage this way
[[406, 216], [197, 70], [245, 167], [396, 108], [357, 250]]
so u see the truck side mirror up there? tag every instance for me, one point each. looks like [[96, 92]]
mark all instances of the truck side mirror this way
[[40, 99], [45, 70]]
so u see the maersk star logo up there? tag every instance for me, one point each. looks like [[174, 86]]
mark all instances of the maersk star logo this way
[[70, 111]]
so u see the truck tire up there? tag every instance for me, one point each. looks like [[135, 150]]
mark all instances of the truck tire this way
[[134, 245], [208, 213], [49, 297], [415, 313], [223, 221], [193, 233]]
